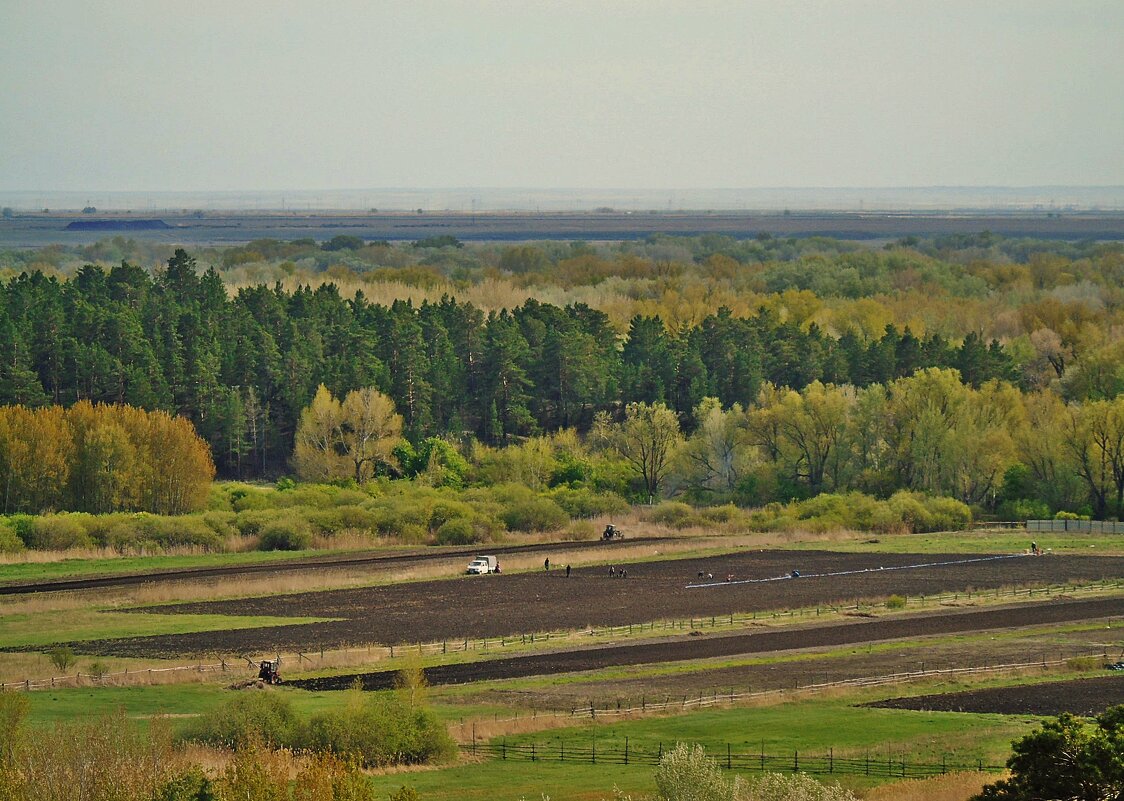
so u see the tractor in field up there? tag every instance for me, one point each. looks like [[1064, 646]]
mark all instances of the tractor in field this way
[[269, 671], [611, 532]]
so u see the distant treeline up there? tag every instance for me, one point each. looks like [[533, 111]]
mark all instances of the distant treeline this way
[[242, 368]]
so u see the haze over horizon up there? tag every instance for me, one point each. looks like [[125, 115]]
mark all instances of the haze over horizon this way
[[256, 97]]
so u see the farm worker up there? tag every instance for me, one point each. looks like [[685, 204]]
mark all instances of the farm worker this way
[[546, 563], [567, 571], [612, 571], [497, 565]]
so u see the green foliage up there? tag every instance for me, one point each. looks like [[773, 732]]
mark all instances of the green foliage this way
[[191, 785], [10, 541], [895, 602], [379, 729], [579, 502], [59, 532], [534, 514], [1024, 509], [674, 514], [285, 535], [250, 717], [685, 773], [794, 787], [1065, 759], [62, 658]]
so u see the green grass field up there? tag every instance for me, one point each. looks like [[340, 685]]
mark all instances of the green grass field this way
[[811, 727], [30, 629]]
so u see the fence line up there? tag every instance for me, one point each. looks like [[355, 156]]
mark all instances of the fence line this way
[[716, 698], [890, 767], [76, 680], [1078, 526]]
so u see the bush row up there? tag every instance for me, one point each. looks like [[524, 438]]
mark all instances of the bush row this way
[[292, 517], [372, 729], [902, 512]]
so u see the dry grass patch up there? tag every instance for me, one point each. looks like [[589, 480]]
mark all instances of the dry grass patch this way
[[953, 787]]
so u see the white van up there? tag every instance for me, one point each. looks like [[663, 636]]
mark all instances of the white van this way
[[483, 564]]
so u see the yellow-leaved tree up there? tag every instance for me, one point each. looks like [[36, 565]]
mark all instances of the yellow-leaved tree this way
[[346, 440]]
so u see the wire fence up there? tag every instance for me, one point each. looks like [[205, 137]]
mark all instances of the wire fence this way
[[900, 766], [715, 698]]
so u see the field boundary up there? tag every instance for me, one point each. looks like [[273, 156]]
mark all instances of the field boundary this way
[[715, 698], [826, 764]]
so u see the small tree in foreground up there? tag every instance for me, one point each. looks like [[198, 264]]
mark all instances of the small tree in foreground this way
[[1066, 759], [686, 773]]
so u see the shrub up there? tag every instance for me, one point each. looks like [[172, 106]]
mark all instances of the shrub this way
[[379, 729], [23, 526], [534, 514], [191, 785], [251, 523], [248, 718], [343, 518], [62, 658], [794, 787], [10, 541], [285, 535], [948, 514], [59, 532], [686, 774], [1024, 509], [458, 531], [674, 514], [895, 602], [584, 502]]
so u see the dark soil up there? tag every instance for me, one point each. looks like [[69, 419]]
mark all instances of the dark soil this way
[[687, 648], [1086, 697], [495, 606]]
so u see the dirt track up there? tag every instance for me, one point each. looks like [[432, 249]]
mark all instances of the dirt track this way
[[684, 648], [493, 606], [336, 562], [1080, 697]]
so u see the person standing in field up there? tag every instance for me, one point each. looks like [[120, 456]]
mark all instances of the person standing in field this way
[[567, 571], [546, 564]]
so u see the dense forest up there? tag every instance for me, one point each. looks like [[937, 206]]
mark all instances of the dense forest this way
[[242, 367], [465, 343]]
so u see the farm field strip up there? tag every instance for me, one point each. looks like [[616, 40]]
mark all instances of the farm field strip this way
[[263, 563], [1072, 646], [711, 647], [513, 605], [918, 566], [1087, 696]]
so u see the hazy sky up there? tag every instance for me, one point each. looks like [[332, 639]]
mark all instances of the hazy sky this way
[[171, 95]]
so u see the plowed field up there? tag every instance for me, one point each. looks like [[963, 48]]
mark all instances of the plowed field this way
[[1079, 697], [493, 606], [686, 648]]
